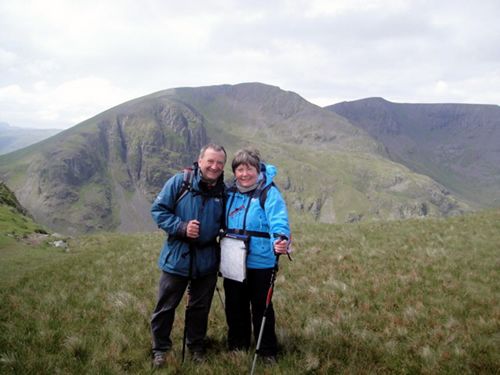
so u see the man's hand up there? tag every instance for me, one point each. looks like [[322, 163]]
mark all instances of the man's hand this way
[[193, 229]]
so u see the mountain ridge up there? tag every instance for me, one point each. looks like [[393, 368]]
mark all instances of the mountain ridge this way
[[14, 138], [103, 173], [455, 144]]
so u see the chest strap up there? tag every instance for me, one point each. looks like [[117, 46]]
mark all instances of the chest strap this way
[[250, 233]]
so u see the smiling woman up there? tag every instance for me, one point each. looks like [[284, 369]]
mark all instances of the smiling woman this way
[[263, 230], [246, 168], [246, 175]]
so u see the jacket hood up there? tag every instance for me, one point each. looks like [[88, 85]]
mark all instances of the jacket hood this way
[[268, 171]]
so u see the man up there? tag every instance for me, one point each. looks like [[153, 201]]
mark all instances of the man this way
[[192, 218]]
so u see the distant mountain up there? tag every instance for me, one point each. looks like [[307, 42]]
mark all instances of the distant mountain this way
[[457, 145], [103, 173], [14, 138]]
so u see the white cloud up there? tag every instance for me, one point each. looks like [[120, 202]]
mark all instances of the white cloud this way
[[483, 89], [59, 67], [7, 58], [60, 106], [322, 8], [13, 94], [441, 87]]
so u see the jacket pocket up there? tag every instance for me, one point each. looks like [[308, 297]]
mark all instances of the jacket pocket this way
[[177, 258]]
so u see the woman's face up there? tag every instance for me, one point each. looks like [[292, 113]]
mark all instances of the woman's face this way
[[246, 175]]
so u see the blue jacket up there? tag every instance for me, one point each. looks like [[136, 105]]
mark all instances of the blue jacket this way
[[201, 203], [273, 219]]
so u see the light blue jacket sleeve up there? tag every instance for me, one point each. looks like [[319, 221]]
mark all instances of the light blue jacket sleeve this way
[[277, 214]]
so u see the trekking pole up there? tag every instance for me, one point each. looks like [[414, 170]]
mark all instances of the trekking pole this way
[[184, 336], [220, 297], [264, 316], [190, 273]]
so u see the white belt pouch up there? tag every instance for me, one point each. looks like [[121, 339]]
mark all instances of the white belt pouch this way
[[233, 257]]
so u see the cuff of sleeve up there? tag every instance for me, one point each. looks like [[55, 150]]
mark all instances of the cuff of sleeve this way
[[181, 229], [277, 236]]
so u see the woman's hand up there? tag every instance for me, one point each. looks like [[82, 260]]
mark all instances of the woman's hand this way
[[281, 246]]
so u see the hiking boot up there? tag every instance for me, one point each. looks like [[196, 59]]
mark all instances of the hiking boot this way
[[198, 357], [159, 360]]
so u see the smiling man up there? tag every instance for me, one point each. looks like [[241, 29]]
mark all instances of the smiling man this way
[[190, 210]]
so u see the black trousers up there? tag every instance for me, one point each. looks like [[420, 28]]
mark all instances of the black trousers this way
[[245, 305], [171, 290]]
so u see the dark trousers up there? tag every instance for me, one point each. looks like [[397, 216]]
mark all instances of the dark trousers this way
[[245, 305], [171, 290]]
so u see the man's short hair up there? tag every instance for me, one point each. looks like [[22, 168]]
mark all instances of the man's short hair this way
[[246, 156], [214, 147]]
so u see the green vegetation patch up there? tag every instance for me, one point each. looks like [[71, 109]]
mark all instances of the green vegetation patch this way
[[402, 297], [16, 224]]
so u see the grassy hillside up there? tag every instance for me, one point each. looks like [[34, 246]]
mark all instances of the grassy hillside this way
[[24, 244], [15, 221], [402, 297]]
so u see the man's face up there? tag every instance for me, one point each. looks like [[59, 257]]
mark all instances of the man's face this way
[[212, 164]]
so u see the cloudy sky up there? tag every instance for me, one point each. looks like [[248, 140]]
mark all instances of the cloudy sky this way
[[64, 61]]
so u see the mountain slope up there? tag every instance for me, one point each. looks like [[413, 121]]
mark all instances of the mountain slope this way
[[457, 145], [329, 169], [103, 173], [14, 138], [14, 219]]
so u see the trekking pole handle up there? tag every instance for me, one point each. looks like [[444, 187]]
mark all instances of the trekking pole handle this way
[[280, 238]]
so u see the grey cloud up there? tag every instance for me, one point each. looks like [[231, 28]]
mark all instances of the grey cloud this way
[[395, 52]]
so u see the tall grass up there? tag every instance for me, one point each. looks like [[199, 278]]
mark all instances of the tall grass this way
[[410, 297]]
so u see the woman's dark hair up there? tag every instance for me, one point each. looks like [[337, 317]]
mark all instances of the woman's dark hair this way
[[246, 156]]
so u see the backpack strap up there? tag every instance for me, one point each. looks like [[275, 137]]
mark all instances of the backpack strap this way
[[187, 184], [261, 192], [217, 191]]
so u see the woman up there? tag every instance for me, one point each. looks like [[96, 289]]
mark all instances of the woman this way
[[265, 222]]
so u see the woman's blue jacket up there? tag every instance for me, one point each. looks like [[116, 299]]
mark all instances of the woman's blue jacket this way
[[203, 204], [273, 219]]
